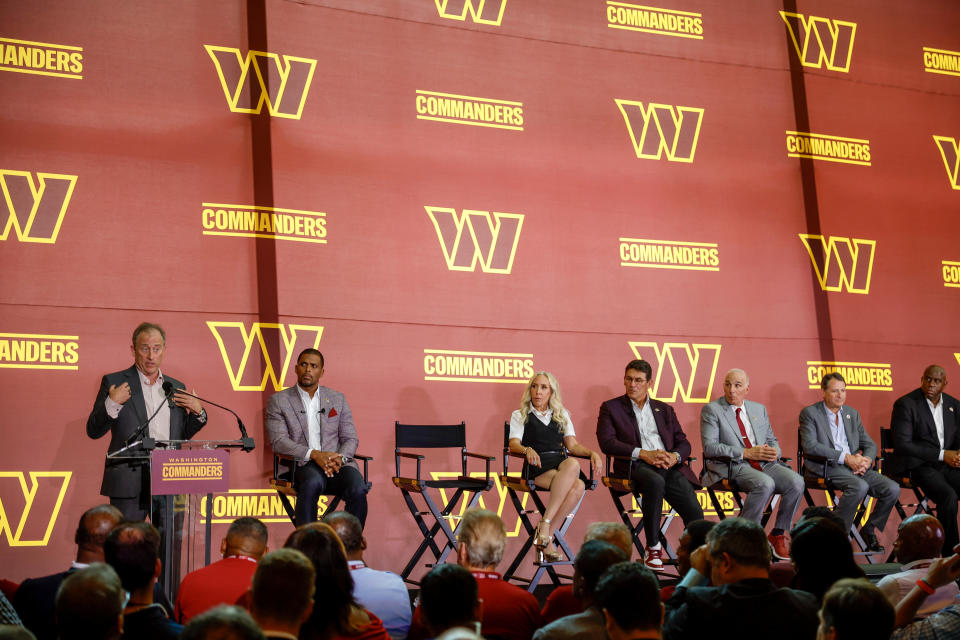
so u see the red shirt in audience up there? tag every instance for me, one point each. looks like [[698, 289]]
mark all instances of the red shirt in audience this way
[[222, 582]]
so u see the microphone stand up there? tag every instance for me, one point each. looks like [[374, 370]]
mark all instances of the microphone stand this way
[[247, 443]]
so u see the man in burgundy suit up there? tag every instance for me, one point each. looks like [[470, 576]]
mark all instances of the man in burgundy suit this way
[[636, 426]]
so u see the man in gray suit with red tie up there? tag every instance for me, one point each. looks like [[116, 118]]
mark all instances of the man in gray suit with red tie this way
[[636, 426], [314, 424], [740, 430], [834, 431], [926, 439]]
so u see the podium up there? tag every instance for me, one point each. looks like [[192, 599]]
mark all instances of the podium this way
[[182, 473]]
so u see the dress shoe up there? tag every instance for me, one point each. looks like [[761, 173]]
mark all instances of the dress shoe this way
[[871, 543]]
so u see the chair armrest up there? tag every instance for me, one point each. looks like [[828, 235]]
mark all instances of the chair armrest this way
[[481, 455], [365, 460], [357, 456], [412, 456]]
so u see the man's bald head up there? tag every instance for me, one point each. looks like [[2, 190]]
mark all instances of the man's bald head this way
[[95, 524], [245, 537], [348, 528], [918, 537]]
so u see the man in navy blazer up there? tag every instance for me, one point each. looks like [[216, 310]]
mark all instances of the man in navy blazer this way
[[314, 423], [926, 437], [125, 401], [740, 431], [636, 426], [832, 430]]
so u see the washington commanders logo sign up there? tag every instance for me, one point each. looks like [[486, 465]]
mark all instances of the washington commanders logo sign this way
[[471, 239], [262, 79], [250, 355], [659, 130], [821, 43], [41, 58], [488, 12], [663, 22], [841, 264], [39, 351], [859, 376], [950, 152], [34, 204], [30, 504], [682, 369]]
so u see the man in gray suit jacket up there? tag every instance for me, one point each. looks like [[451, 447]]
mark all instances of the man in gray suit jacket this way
[[834, 431], [740, 430], [126, 400], [314, 424]]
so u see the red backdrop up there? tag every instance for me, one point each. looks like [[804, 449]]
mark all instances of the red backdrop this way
[[496, 177]]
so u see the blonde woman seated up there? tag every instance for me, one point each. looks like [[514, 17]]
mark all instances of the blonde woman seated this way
[[540, 430]]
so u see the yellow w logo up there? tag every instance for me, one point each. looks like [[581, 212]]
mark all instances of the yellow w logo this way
[[247, 354], [481, 11], [951, 158], [841, 263], [687, 369], [35, 209], [513, 525], [282, 87], [821, 42], [492, 241], [43, 497], [659, 129]]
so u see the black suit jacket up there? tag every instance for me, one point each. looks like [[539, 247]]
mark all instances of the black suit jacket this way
[[122, 478], [745, 609], [619, 434], [34, 601], [915, 441]]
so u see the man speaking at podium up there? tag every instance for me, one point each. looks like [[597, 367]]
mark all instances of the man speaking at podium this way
[[126, 401]]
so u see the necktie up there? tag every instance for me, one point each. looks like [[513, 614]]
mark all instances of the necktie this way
[[746, 441]]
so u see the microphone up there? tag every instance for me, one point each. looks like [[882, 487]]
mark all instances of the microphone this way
[[168, 391], [247, 443], [148, 442]]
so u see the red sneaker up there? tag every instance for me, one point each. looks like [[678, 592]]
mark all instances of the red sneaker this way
[[780, 545], [654, 560]]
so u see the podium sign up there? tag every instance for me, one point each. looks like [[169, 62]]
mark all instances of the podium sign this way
[[185, 471]]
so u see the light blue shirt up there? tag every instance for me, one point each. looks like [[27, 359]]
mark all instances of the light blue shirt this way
[[385, 594], [838, 431]]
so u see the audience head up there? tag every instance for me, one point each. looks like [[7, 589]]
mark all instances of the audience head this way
[[854, 608], [89, 604], [245, 537], [448, 598], [919, 537], [133, 550], [629, 595], [348, 528], [482, 538], [282, 590], [821, 554], [332, 609], [616, 533], [95, 524], [15, 632], [821, 511], [693, 537], [225, 622], [594, 557], [738, 549]]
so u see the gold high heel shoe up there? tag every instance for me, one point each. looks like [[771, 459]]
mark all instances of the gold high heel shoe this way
[[542, 540]]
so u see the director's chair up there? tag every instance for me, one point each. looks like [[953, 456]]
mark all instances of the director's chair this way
[[453, 436], [524, 484]]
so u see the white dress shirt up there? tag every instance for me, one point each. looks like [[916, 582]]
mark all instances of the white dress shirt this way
[[312, 408], [937, 412], [650, 439], [746, 424], [838, 432]]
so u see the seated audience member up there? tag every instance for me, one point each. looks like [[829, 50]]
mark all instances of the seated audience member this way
[[821, 554], [509, 612], [133, 550], [336, 614], [742, 599], [382, 592], [15, 631], [281, 596], [919, 542], [942, 624], [821, 511], [34, 599], [628, 596], [226, 580], [223, 622], [89, 604], [593, 559], [561, 601], [449, 603], [852, 609], [693, 537]]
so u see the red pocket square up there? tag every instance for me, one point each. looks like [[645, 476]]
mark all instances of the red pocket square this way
[[332, 413]]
